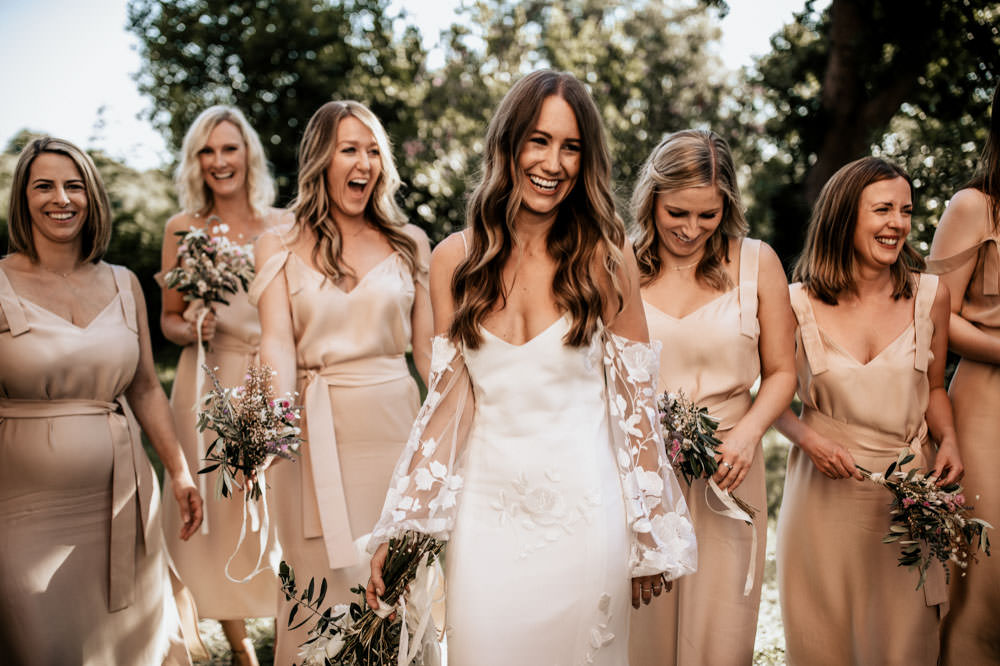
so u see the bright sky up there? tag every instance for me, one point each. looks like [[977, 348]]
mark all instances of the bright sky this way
[[65, 60]]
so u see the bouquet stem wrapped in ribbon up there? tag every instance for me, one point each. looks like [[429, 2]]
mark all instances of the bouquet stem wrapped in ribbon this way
[[250, 426], [929, 522], [692, 447], [354, 634]]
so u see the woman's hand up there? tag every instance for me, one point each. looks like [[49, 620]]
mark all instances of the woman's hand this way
[[644, 588], [948, 467], [190, 504], [191, 315], [376, 586], [831, 458], [735, 457]]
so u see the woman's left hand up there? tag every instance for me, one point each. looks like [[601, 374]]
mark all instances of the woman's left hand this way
[[735, 457], [190, 504], [948, 467], [644, 588]]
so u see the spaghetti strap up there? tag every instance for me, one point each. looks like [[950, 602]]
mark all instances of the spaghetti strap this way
[[274, 264], [465, 241], [808, 329], [991, 265], [125, 296], [749, 269], [17, 322], [923, 326]]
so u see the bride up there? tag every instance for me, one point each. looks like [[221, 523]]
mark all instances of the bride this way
[[536, 454]]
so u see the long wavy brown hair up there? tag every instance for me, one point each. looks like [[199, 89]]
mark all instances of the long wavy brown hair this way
[[826, 265], [312, 207], [689, 158], [987, 178], [586, 230]]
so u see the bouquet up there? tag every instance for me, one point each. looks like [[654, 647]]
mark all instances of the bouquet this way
[[689, 436], [210, 267], [929, 522], [354, 634], [250, 425]]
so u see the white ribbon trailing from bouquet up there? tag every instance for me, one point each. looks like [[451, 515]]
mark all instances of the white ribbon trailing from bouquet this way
[[199, 388], [259, 522], [732, 510]]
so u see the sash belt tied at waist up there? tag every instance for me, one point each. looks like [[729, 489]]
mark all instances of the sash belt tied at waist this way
[[131, 486], [324, 504]]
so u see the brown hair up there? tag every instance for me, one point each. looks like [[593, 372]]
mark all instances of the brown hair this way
[[826, 265], [987, 178], [312, 203], [586, 228], [96, 232], [689, 158]]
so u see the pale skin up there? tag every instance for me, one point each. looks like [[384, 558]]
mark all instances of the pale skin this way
[[551, 155], [883, 223], [64, 285], [685, 220], [966, 222]]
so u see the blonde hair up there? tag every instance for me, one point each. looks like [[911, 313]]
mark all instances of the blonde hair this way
[[689, 158], [96, 232], [586, 228], [312, 203], [195, 195], [826, 265]]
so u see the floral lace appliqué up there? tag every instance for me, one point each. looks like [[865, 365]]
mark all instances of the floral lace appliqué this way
[[600, 636]]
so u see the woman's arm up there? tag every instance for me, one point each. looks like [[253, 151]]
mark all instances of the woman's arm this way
[[175, 327], [277, 336], [149, 403], [947, 463], [963, 225], [421, 316], [777, 385]]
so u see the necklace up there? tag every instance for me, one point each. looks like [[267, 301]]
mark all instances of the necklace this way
[[63, 274], [685, 266]]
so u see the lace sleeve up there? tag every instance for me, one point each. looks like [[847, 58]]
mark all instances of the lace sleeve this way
[[427, 481], [660, 531]]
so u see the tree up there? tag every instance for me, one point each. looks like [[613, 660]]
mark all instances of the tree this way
[[908, 79]]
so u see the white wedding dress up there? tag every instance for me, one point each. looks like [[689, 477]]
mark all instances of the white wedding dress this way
[[539, 465]]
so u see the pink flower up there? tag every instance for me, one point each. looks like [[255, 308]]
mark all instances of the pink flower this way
[[908, 502]]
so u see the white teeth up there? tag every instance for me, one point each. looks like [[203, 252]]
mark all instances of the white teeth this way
[[61, 216], [890, 242], [681, 237], [358, 182], [223, 176], [542, 183]]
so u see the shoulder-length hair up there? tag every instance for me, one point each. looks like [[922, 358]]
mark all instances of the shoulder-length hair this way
[[312, 206], [586, 229], [987, 178], [826, 265], [689, 158], [195, 195], [96, 232]]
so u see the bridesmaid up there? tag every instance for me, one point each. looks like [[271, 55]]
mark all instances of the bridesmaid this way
[[83, 570], [719, 304], [225, 189], [965, 252], [870, 355], [342, 295]]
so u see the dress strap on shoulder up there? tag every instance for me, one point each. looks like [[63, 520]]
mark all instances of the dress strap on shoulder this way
[[125, 295], [812, 343], [465, 241], [749, 268], [274, 264], [17, 322], [991, 267], [923, 326]]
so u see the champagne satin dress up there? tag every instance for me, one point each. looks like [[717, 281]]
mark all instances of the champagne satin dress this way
[[844, 599]]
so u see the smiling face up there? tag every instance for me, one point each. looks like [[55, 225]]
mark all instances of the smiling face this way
[[355, 167], [223, 160], [549, 161], [686, 218], [57, 199], [884, 213]]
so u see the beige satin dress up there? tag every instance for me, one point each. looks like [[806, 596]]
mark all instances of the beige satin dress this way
[[83, 569], [710, 617], [971, 631], [844, 600], [360, 402], [201, 560]]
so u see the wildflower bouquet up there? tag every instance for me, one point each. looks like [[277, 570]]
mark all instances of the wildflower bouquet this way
[[929, 522], [250, 425], [354, 634], [689, 436], [210, 267]]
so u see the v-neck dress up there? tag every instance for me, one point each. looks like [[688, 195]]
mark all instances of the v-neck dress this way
[[712, 355], [83, 568], [844, 599], [359, 404]]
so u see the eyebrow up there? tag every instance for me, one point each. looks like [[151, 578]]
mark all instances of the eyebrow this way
[[52, 180], [549, 136]]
